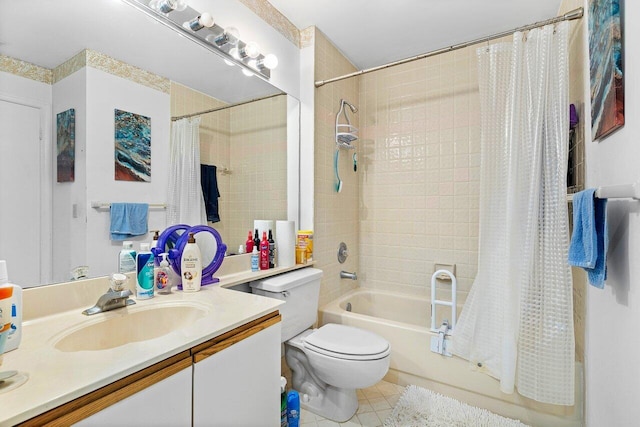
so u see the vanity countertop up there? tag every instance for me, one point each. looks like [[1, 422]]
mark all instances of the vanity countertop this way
[[57, 377]]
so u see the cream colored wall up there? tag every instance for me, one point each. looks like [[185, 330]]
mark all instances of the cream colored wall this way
[[259, 168], [420, 171], [336, 214]]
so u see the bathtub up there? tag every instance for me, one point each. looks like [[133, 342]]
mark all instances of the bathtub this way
[[405, 320]]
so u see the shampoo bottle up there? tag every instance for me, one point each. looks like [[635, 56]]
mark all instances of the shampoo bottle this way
[[163, 276], [256, 240], [248, 246], [154, 245], [15, 335], [264, 252], [272, 251], [144, 270], [191, 266], [127, 258]]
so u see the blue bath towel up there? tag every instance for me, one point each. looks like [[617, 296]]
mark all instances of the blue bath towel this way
[[590, 241], [128, 219], [209, 182]]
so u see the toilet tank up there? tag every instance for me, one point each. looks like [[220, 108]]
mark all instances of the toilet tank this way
[[300, 290]]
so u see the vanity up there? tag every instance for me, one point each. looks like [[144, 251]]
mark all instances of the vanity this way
[[213, 357]]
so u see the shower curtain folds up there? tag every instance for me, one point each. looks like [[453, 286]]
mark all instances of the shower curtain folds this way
[[185, 202], [518, 319]]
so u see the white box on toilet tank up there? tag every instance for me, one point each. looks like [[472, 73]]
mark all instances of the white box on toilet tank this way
[[300, 290]]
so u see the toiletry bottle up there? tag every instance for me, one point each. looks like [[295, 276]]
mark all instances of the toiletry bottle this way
[[127, 258], [293, 408], [255, 259], [144, 270], [256, 240], [15, 335], [272, 251], [191, 266], [264, 252], [248, 246], [154, 245], [163, 276], [283, 402]]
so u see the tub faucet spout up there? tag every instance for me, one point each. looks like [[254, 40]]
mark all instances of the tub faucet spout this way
[[347, 275]]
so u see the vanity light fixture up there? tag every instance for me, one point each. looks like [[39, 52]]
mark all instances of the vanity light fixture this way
[[230, 36], [270, 62], [247, 72], [166, 6], [201, 28], [204, 20]]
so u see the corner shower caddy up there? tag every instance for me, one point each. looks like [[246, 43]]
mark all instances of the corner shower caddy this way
[[346, 135]]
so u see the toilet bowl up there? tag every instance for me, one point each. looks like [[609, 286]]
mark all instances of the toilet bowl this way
[[330, 363]]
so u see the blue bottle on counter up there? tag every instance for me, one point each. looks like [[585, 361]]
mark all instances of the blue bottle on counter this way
[[293, 408]]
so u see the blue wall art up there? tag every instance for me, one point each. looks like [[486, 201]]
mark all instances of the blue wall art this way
[[66, 145], [133, 147], [606, 67]]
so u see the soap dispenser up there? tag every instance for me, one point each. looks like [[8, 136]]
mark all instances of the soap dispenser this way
[[163, 276]]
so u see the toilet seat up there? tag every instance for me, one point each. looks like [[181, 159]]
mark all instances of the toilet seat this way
[[346, 342]]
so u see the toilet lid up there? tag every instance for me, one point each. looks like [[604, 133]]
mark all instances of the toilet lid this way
[[347, 342]]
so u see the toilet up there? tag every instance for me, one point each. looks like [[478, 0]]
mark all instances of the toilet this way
[[328, 364]]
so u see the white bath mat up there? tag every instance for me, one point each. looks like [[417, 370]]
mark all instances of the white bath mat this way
[[419, 407]]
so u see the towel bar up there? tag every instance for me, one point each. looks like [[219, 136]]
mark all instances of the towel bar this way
[[100, 205], [624, 191]]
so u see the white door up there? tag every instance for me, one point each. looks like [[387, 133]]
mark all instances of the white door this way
[[20, 194]]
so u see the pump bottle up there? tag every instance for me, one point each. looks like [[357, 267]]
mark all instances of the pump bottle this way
[[191, 266], [163, 276]]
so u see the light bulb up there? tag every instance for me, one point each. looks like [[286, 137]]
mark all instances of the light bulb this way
[[247, 73], [204, 20], [229, 36], [235, 52], [229, 63], [166, 6], [252, 50], [270, 61]]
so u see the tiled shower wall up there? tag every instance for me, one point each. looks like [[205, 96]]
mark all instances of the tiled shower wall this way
[[336, 214], [251, 142], [420, 171]]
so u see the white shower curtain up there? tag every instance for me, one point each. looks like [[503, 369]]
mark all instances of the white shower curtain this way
[[517, 322], [185, 202]]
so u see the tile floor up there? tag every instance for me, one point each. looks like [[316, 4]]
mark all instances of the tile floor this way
[[375, 405]]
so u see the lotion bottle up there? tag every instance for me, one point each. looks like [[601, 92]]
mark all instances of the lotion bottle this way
[[191, 266], [255, 259], [144, 270], [127, 258]]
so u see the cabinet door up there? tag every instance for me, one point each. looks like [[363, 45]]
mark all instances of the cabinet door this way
[[165, 403], [240, 385]]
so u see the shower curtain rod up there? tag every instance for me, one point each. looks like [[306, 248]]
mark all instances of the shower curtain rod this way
[[213, 110], [569, 16]]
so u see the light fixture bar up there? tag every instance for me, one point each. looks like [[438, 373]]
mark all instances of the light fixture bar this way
[[175, 20]]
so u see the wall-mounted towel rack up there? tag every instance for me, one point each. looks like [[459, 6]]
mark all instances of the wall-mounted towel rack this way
[[624, 191], [101, 205]]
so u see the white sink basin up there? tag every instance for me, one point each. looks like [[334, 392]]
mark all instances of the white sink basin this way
[[129, 325]]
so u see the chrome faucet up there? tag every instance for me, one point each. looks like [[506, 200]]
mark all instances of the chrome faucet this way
[[347, 275], [116, 297]]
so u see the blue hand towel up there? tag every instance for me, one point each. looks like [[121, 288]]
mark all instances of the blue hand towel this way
[[590, 241], [128, 219]]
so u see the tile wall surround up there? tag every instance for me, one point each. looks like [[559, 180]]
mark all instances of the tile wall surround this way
[[336, 214], [275, 18], [238, 138], [420, 176]]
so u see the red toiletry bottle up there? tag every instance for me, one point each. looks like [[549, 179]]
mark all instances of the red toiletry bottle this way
[[248, 246], [264, 252]]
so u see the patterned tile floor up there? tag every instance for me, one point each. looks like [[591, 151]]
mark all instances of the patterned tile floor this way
[[375, 405]]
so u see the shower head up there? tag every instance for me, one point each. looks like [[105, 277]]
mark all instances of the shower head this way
[[354, 109]]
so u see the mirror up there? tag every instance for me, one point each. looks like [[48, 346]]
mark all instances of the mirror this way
[[136, 65]]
